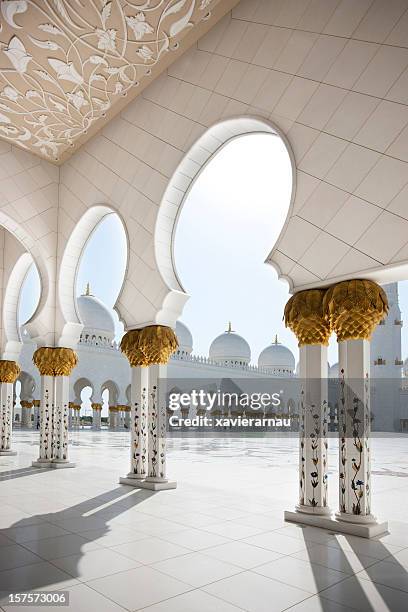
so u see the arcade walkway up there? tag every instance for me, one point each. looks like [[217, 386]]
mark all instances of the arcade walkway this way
[[217, 543]]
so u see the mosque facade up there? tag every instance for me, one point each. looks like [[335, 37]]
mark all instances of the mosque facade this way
[[102, 367]]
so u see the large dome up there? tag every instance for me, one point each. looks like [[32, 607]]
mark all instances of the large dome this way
[[230, 348], [185, 339], [277, 359], [96, 317]]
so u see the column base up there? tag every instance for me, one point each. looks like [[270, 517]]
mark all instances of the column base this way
[[314, 510], [44, 463], [8, 453], [136, 476], [334, 523], [148, 484]]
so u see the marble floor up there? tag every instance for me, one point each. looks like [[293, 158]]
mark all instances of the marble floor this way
[[218, 543]]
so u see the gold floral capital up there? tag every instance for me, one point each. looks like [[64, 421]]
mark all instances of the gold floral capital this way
[[26, 404], [304, 315], [354, 308], [96, 406], [9, 371], [149, 346], [55, 361]]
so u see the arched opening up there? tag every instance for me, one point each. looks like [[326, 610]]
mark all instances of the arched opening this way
[[29, 294], [232, 213], [99, 236]]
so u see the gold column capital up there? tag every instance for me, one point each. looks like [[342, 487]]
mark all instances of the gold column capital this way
[[55, 361], [304, 315], [26, 404], [9, 371], [122, 407], [36, 403], [96, 406], [149, 346], [354, 308]]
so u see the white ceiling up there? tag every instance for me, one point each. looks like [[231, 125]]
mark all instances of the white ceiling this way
[[66, 66]]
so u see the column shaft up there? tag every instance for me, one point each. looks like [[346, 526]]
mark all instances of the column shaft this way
[[6, 418], [138, 423], [60, 426], [354, 431], [313, 430], [157, 426], [47, 419]]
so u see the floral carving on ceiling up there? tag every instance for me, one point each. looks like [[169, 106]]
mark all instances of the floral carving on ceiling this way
[[65, 63]]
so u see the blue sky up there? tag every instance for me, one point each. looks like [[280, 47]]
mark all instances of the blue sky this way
[[228, 225]]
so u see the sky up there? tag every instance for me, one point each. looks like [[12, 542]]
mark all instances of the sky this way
[[229, 223]]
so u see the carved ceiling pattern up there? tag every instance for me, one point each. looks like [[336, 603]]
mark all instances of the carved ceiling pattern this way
[[65, 64]]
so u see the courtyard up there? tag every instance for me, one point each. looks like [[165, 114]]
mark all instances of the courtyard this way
[[218, 542]]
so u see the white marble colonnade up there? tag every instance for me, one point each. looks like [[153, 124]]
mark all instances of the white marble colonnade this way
[[352, 310]]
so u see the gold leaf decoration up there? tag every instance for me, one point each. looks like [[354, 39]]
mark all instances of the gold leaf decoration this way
[[304, 315], [9, 371], [55, 361], [354, 308]]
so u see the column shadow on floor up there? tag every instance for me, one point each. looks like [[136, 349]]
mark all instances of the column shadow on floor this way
[[393, 597], [20, 472], [95, 512]]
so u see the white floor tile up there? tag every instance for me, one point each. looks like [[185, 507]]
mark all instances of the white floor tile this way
[[112, 537], [193, 601], [242, 554], [36, 576], [277, 542], [195, 539], [342, 560], [197, 569], [95, 564], [390, 574], [301, 574], [256, 593], [34, 532], [366, 596], [233, 530], [61, 546], [139, 588], [16, 556], [150, 550]]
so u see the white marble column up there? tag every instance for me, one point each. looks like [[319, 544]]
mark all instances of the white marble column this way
[[55, 365], [313, 430], [157, 473], [36, 413], [138, 424], [60, 427], [127, 420], [6, 418], [354, 432], [96, 416], [26, 412], [47, 404], [113, 418], [146, 349]]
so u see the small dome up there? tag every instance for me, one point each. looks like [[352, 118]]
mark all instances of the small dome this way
[[184, 337], [277, 359], [230, 348], [96, 317]]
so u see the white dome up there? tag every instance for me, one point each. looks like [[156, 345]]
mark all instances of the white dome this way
[[277, 359], [230, 347], [184, 337], [96, 317]]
